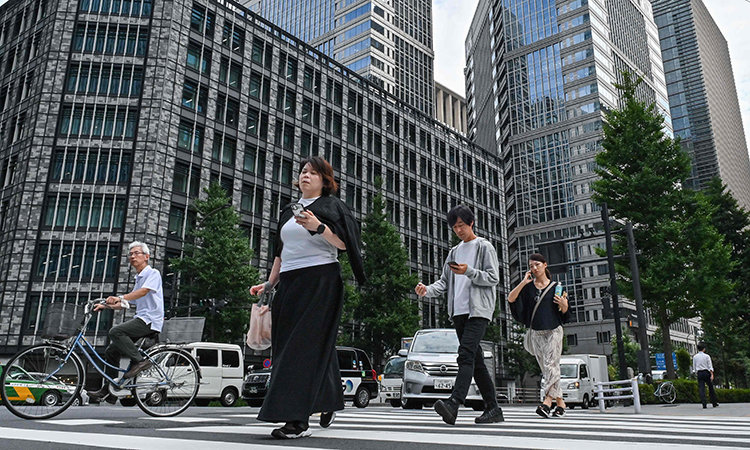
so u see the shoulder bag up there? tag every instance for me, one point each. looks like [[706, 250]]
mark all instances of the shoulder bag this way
[[527, 337]]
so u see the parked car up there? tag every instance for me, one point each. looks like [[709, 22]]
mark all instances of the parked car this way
[[431, 368], [221, 372], [358, 380], [392, 378], [29, 387]]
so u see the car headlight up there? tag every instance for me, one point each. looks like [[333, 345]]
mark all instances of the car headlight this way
[[575, 385], [414, 366]]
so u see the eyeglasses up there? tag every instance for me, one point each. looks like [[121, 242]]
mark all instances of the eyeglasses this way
[[135, 253]]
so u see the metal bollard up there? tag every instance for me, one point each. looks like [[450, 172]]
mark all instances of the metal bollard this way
[[600, 396], [636, 396]]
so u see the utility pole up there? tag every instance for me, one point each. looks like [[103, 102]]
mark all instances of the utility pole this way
[[613, 292], [644, 364]]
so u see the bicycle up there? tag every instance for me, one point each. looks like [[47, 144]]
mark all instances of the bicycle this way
[[44, 380], [665, 392]]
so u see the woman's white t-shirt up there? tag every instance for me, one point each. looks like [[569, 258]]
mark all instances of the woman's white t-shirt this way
[[301, 249]]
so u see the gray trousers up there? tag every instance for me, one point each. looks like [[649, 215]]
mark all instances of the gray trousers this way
[[547, 345], [122, 343]]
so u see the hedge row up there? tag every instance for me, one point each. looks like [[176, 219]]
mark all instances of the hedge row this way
[[687, 392]]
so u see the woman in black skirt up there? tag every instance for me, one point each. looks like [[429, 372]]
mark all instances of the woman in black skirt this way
[[305, 378]]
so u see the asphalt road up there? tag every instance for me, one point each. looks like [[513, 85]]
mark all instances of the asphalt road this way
[[672, 427]]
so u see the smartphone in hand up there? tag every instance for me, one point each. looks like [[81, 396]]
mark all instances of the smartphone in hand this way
[[453, 263], [297, 209]]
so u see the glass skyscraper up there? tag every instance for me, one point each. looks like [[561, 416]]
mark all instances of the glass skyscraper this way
[[539, 76], [703, 96], [388, 42]]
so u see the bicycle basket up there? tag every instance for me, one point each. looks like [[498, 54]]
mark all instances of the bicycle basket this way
[[182, 330], [63, 320]]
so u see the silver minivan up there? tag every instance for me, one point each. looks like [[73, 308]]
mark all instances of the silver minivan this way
[[431, 368]]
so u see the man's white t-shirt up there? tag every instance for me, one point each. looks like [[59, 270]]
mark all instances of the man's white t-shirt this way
[[465, 253], [150, 307]]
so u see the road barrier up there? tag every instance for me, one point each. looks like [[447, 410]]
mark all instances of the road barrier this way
[[633, 389]]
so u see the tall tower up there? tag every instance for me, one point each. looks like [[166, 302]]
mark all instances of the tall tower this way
[[388, 42], [703, 96], [539, 76]]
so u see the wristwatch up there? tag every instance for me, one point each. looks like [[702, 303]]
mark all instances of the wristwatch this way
[[321, 229]]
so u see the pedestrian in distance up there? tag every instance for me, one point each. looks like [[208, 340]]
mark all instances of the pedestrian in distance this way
[[306, 309], [148, 297], [704, 370], [469, 277], [539, 305]]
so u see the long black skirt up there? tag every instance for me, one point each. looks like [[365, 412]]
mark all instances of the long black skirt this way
[[305, 377]]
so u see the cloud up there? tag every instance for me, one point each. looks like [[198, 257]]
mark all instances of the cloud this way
[[451, 20]]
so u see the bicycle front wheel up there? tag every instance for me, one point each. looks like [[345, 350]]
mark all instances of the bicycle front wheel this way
[[668, 392], [41, 381], [170, 385]]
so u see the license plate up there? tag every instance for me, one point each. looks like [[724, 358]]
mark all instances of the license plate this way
[[253, 390], [444, 384]]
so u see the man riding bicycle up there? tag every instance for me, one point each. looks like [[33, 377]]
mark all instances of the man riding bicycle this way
[[149, 317]]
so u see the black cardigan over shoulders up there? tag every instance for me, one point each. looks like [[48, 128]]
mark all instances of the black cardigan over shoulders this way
[[337, 216]]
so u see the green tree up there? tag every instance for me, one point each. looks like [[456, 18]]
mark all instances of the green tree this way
[[684, 362], [682, 257], [215, 271], [726, 321], [631, 351], [381, 312]]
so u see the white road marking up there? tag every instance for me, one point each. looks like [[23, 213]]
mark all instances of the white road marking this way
[[186, 419], [77, 422]]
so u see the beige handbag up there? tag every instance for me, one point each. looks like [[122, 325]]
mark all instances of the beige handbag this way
[[259, 334]]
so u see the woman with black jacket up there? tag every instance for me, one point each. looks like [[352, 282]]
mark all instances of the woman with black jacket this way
[[546, 331], [305, 378]]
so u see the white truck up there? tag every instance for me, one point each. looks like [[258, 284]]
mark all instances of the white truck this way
[[578, 377]]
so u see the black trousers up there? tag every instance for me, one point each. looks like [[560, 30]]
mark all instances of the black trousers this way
[[704, 378], [122, 342], [471, 361]]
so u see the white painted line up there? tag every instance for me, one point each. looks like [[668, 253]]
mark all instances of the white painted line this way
[[562, 423], [126, 442], [76, 422], [186, 419], [484, 440]]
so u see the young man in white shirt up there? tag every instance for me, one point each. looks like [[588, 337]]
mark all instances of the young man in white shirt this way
[[149, 317], [704, 369], [469, 277]]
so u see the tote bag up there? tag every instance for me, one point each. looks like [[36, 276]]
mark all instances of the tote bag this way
[[259, 334]]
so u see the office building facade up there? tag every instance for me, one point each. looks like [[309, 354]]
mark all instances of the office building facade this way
[[450, 108], [702, 95], [116, 120], [539, 76], [388, 42]]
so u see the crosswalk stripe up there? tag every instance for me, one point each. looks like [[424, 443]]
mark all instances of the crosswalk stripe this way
[[484, 439], [186, 419], [126, 442], [76, 422]]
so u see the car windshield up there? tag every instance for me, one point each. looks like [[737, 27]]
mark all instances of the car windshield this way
[[394, 367], [568, 370], [436, 342]]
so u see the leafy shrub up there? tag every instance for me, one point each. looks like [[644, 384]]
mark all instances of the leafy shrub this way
[[646, 392]]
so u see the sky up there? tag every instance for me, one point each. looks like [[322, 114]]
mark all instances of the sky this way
[[452, 18]]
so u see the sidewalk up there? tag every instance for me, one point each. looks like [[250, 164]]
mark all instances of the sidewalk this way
[[686, 409]]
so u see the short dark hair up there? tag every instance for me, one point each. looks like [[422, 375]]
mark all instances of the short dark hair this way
[[460, 212], [325, 170], [701, 346]]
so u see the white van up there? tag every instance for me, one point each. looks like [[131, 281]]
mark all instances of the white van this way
[[221, 372], [578, 377]]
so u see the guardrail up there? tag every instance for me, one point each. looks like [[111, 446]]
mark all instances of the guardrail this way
[[633, 388]]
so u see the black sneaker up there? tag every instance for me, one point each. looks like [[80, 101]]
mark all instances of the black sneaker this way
[[448, 410], [543, 410], [558, 412], [491, 416], [326, 419], [715, 405], [291, 431]]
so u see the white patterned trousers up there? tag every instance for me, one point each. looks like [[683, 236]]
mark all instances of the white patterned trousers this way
[[547, 346]]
